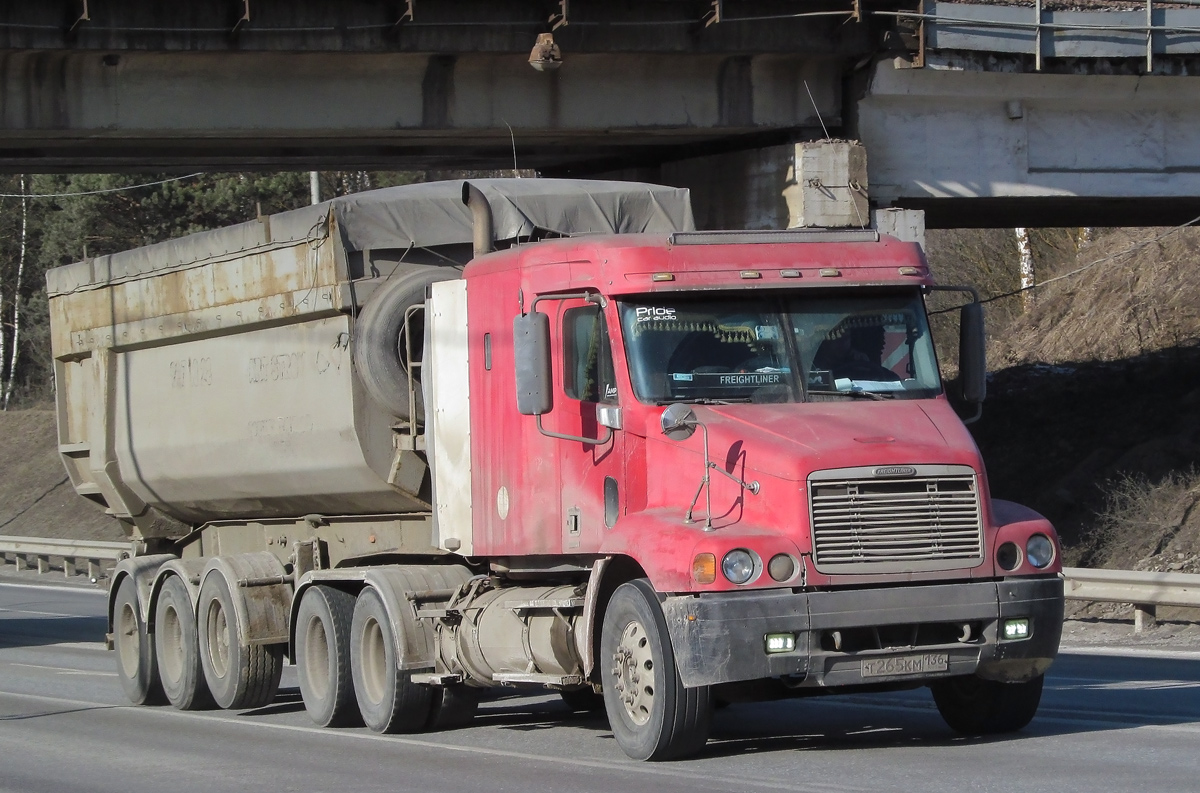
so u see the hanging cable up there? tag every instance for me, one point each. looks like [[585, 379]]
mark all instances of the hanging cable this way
[[105, 190]]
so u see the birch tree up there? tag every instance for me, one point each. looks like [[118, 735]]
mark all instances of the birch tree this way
[[1025, 267], [14, 357]]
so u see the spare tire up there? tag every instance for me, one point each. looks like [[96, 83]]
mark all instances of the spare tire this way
[[379, 338]]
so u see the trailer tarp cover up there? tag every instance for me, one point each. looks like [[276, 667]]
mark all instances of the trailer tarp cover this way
[[425, 215]]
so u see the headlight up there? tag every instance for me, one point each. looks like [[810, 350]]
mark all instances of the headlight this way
[[782, 567], [738, 566], [1039, 550], [1008, 556]]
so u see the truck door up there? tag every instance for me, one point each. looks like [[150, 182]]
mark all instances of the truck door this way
[[590, 473]]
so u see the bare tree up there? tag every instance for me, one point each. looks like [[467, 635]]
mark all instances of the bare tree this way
[[1025, 250], [16, 323]]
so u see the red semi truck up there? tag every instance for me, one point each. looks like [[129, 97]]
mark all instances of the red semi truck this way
[[653, 471]]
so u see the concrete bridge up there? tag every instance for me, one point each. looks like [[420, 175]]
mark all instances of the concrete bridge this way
[[976, 114]]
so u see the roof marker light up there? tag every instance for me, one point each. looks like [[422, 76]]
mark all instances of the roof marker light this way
[[789, 273], [830, 272], [751, 274], [663, 277], [910, 271]]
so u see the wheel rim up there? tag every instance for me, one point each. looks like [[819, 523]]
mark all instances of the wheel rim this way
[[170, 644], [129, 641], [218, 638], [633, 668], [316, 658], [374, 661]]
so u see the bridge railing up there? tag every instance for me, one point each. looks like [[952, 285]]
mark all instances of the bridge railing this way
[[72, 556], [1158, 28]]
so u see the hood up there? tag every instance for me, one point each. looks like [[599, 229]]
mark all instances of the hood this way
[[792, 440]]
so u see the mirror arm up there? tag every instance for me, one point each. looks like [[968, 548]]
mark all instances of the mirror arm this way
[[972, 291], [608, 433], [591, 297]]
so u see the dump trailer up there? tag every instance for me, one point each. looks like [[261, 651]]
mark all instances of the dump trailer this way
[[542, 433]]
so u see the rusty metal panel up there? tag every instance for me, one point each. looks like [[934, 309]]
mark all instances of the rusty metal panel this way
[[219, 297]]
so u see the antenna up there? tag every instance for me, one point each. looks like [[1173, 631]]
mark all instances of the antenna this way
[[516, 173], [816, 109]]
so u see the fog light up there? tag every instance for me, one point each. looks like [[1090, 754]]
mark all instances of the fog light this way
[[781, 642], [704, 568], [1039, 550], [782, 567], [738, 566], [1008, 556], [1016, 629]]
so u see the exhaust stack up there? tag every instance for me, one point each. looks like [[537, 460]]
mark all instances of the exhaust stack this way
[[481, 211]]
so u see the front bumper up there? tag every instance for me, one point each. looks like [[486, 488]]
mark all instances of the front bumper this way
[[721, 637]]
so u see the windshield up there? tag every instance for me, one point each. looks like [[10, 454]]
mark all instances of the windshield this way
[[779, 348]]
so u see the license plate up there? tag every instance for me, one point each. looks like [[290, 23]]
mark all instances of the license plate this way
[[897, 665]]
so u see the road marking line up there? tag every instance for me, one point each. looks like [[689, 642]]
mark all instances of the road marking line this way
[[52, 614], [62, 670], [79, 590], [1131, 652], [619, 764]]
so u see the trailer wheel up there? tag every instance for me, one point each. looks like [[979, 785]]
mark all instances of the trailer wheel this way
[[652, 715], [387, 698], [379, 338], [323, 656], [240, 676], [974, 706], [136, 665], [177, 648]]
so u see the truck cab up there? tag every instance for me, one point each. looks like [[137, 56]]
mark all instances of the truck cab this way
[[757, 424]]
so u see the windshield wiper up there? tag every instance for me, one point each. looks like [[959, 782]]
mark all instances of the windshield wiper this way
[[857, 394], [703, 401]]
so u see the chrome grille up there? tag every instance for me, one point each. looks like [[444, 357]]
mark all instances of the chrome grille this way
[[868, 524]]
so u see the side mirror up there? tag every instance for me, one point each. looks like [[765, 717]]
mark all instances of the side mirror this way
[[678, 422], [972, 354], [531, 351]]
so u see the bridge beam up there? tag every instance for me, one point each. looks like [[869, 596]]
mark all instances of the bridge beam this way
[[63, 110], [993, 148]]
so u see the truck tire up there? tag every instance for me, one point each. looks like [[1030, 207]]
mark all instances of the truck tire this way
[[177, 648], [136, 666], [323, 656], [240, 676], [387, 698], [379, 343], [652, 715], [974, 706]]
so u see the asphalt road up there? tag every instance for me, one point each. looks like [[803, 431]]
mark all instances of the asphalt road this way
[[1108, 723]]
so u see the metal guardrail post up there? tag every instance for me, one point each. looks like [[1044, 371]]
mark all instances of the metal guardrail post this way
[[72, 553]]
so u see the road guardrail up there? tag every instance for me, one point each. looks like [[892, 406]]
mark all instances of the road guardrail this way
[[73, 553], [1146, 591]]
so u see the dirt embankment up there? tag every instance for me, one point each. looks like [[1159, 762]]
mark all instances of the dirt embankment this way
[[36, 498], [1093, 413]]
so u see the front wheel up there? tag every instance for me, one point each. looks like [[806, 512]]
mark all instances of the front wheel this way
[[652, 715], [974, 706]]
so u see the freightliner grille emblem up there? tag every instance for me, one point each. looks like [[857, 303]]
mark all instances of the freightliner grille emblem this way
[[896, 470]]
